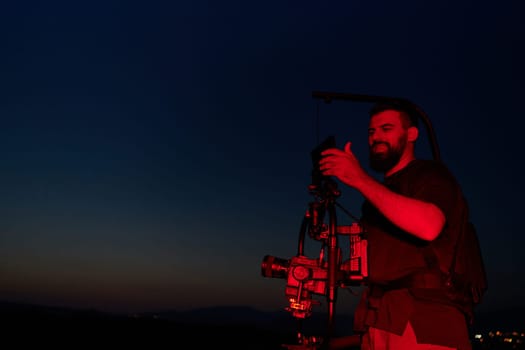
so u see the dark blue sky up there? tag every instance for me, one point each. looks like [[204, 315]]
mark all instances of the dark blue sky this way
[[152, 153]]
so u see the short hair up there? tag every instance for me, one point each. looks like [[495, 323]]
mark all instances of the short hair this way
[[409, 115]]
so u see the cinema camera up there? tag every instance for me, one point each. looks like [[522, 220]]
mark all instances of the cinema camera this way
[[306, 276]]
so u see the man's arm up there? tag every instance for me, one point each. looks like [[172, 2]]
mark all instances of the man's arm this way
[[421, 219]]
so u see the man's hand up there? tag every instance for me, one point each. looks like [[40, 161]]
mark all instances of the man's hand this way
[[344, 165]]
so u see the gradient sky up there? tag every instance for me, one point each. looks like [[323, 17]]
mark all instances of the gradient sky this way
[[152, 153]]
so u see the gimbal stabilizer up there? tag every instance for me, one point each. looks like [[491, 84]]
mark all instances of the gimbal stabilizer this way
[[306, 276]]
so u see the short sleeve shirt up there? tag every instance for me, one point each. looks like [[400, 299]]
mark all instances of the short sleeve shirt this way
[[394, 253]]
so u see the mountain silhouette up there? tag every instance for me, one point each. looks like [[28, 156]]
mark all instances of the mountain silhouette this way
[[226, 326]]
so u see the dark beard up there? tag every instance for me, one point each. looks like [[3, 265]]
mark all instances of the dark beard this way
[[382, 162]]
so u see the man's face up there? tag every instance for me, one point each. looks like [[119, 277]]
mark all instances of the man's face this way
[[387, 140]]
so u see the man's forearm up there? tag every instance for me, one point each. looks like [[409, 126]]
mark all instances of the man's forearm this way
[[421, 219]]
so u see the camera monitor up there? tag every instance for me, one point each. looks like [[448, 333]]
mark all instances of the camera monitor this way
[[317, 176]]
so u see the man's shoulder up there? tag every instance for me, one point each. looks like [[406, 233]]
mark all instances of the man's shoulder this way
[[429, 173], [430, 166]]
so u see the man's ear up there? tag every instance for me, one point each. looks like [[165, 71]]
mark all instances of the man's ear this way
[[413, 133]]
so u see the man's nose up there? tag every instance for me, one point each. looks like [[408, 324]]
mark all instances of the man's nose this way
[[374, 138]]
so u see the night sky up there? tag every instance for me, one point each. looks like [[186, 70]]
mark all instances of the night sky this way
[[152, 153]]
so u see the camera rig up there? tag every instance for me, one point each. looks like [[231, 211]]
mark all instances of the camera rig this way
[[305, 276]]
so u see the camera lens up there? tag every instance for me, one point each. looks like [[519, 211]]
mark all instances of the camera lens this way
[[274, 267]]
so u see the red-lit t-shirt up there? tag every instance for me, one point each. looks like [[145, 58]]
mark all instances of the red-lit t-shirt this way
[[393, 254]]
